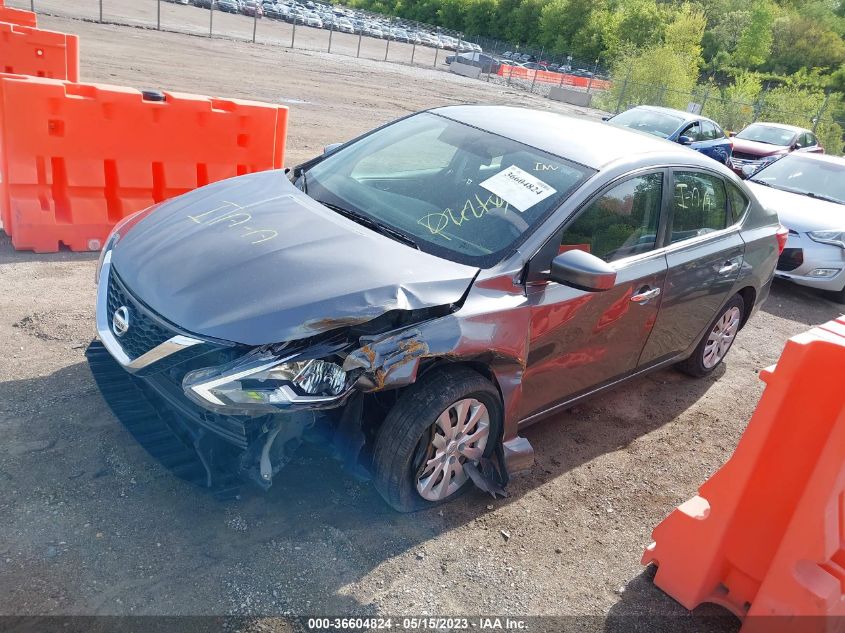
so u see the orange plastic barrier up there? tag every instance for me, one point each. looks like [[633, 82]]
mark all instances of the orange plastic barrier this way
[[549, 77], [25, 50], [76, 158], [765, 537], [17, 16]]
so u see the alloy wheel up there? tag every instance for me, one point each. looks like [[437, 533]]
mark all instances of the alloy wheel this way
[[459, 434], [721, 337]]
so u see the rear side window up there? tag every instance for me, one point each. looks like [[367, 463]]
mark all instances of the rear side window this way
[[621, 222], [699, 205], [739, 203]]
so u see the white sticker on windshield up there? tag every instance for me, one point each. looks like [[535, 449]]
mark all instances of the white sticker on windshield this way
[[518, 187]]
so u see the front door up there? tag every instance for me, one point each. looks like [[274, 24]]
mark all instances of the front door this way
[[579, 339]]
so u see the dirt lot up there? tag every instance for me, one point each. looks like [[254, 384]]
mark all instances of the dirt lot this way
[[91, 526]]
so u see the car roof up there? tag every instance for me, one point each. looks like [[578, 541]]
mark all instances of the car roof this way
[[686, 116], [585, 141], [783, 126]]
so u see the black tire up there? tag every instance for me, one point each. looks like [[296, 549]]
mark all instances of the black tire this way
[[694, 365], [400, 436]]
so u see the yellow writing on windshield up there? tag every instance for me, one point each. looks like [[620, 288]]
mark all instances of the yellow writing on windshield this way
[[438, 222]]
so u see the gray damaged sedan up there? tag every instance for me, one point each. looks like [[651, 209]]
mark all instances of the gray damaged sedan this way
[[416, 297]]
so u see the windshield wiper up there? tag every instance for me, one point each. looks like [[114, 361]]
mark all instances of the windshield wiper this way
[[821, 197], [370, 223]]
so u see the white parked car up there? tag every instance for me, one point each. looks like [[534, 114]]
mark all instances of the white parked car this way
[[808, 193]]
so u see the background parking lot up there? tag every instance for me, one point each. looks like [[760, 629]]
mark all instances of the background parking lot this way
[[91, 525]]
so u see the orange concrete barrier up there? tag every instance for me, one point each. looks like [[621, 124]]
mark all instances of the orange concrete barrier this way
[[765, 537], [549, 77], [20, 17], [76, 158], [25, 50]]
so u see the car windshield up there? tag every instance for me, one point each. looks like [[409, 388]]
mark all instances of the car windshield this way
[[656, 123], [457, 191], [768, 134], [814, 178]]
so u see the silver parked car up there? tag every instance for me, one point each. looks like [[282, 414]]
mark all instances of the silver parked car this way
[[808, 193]]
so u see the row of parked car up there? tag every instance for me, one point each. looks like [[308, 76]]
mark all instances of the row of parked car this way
[[339, 18], [746, 152], [787, 170]]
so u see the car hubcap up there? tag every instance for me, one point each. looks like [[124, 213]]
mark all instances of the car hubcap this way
[[721, 337], [458, 435]]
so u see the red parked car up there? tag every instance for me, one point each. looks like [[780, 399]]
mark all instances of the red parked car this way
[[759, 144]]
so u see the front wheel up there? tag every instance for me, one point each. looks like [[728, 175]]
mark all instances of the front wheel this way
[[720, 337], [451, 417]]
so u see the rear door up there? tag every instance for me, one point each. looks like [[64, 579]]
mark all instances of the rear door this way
[[704, 254], [580, 340]]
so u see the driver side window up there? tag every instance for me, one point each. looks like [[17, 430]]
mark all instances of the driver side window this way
[[693, 132], [620, 223]]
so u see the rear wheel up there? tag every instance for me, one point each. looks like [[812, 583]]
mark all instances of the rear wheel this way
[[719, 338], [451, 417]]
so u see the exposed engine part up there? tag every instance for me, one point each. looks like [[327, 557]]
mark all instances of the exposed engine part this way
[[275, 446]]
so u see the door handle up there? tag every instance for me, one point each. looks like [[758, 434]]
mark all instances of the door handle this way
[[729, 268], [645, 295]]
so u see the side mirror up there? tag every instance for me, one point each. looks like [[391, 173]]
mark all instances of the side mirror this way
[[748, 170], [685, 140], [605, 118], [582, 270], [328, 149]]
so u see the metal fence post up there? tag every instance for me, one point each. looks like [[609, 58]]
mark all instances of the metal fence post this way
[[413, 51], [533, 81], [211, 19], [510, 74], [821, 112], [293, 33], [436, 51], [158, 15], [32, 5], [360, 37], [101, 10], [255, 21], [622, 94], [595, 70], [331, 32], [704, 99]]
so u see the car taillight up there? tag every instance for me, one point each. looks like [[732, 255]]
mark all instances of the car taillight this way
[[782, 235]]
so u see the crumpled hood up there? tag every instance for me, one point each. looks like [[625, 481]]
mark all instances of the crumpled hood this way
[[757, 149], [800, 213], [254, 260]]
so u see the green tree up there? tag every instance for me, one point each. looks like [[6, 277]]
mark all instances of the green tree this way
[[800, 42], [755, 42]]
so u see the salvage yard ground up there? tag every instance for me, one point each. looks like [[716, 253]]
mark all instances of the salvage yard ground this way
[[90, 525]]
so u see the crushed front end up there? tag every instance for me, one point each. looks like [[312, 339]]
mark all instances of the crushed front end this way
[[214, 412]]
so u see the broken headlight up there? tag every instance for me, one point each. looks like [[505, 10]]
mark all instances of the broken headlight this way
[[264, 383]]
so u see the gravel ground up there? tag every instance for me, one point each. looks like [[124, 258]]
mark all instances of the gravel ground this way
[[90, 525]]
